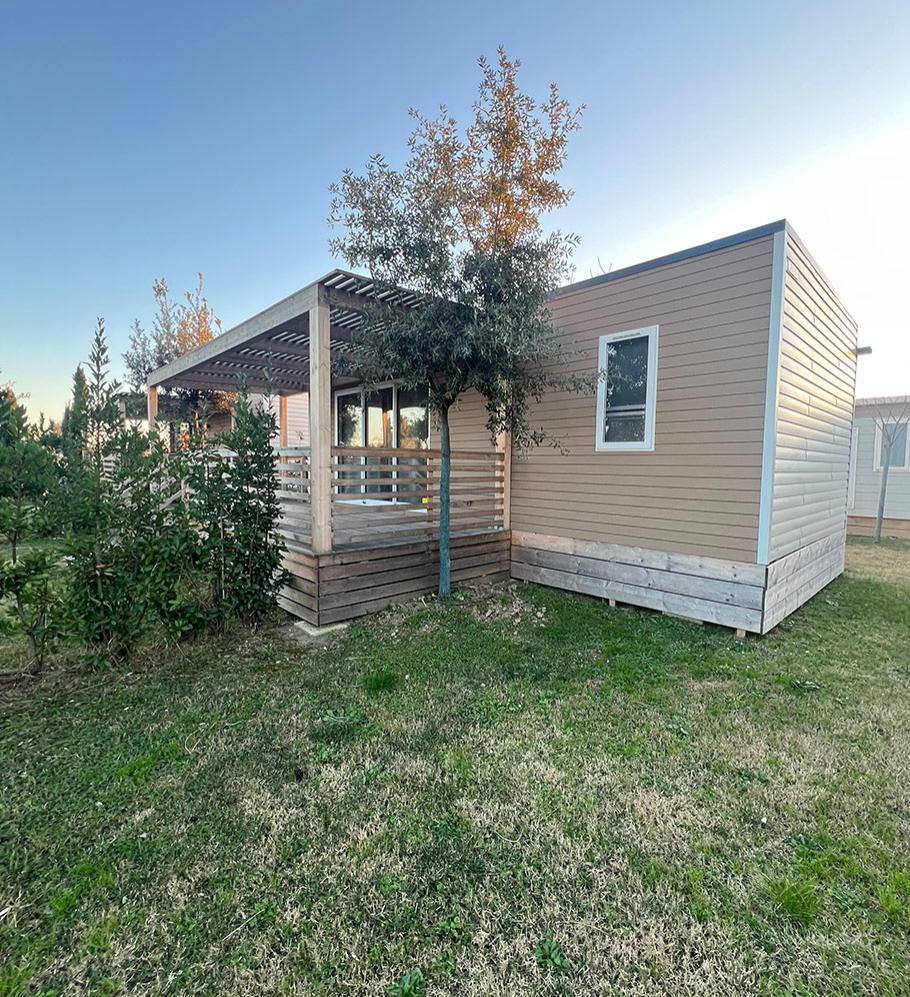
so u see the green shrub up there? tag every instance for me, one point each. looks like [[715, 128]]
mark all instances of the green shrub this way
[[235, 505], [28, 478]]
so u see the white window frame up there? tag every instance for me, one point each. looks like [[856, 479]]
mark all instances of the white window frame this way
[[877, 465], [647, 444]]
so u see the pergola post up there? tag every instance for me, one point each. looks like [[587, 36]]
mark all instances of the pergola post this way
[[504, 443], [283, 420], [152, 409], [320, 428]]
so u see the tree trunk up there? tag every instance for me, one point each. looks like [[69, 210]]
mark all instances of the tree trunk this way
[[877, 535], [445, 505]]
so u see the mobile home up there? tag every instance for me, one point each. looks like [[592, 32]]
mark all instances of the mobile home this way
[[868, 460], [712, 486]]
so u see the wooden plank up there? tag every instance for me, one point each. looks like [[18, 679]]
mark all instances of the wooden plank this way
[[301, 612], [698, 586], [690, 564], [786, 566], [782, 609], [389, 591], [351, 584], [474, 456], [796, 581], [699, 609]]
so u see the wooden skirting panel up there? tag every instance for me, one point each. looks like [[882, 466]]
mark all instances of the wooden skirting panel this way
[[794, 579], [864, 526], [346, 584], [706, 589], [343, 585], [750, 597]]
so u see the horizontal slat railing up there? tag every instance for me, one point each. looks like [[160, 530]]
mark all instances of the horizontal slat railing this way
[[392, 495], [294, 494]]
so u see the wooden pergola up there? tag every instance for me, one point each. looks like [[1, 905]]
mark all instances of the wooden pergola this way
[[286, 349]]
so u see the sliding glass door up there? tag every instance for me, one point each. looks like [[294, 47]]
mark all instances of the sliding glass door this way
[[385, 418]]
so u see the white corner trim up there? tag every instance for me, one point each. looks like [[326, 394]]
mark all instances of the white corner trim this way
[[652, 332], [772, 394]]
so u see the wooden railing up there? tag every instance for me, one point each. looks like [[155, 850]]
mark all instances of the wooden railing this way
[[294, 493], [390, 496], [382, 496]]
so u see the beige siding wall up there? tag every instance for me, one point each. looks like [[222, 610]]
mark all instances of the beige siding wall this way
[[467, 424], [698, 491], [815, 409], [299, 420]]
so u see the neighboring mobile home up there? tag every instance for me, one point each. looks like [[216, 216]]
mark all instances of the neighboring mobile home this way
[[868, 458], [712, 484]]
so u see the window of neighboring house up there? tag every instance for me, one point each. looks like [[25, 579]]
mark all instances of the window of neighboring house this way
[[900, 457], [627, 390]]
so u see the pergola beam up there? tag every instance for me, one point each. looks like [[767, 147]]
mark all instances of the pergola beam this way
[[286, 310]]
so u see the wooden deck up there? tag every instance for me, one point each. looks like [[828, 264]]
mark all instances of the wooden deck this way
[[385, 528], [329, 588]]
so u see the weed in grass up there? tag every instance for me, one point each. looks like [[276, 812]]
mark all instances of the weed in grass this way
[[451, 927], [375, 775], [459, 763], [380, 680], [410, 984], [343, 726], [484, 709], [797, 899], [550, 957], [140, 768]]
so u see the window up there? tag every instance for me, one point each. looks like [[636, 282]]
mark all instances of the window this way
[[413, 419], [385, 418], [900, 457], [627, 390]]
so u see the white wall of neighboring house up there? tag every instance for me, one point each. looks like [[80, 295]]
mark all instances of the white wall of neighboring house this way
[[866, 476], [298, 418]]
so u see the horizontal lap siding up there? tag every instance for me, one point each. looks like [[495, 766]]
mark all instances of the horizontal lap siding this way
[[815, 409], [298, 407], [893, 529], [698, 491], [467, 423], [868, 481]]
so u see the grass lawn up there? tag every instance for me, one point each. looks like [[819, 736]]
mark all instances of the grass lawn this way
[[522, 792]]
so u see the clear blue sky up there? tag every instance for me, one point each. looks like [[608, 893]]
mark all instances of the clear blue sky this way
[[144, 140]]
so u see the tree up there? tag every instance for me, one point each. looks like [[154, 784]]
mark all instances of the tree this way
[[105, 612], [177, 328], [892, 419], [27, 477], [73, 426], [460, 225]]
